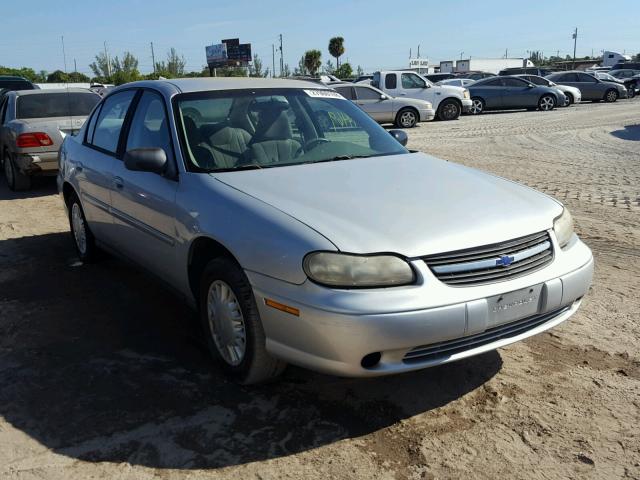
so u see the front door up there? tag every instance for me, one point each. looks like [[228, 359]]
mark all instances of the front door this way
[[371, 102], [143, 203], [517, 93]]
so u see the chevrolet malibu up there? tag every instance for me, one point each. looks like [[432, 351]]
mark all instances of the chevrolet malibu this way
[[305, 233]]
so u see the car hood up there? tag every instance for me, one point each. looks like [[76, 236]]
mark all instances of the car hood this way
[[410, 204]]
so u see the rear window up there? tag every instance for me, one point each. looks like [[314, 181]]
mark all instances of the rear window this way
[[16, 85], [56, 105]]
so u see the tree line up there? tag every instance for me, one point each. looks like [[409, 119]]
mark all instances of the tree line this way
[[123, 68]]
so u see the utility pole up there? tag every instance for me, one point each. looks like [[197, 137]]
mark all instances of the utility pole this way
[[418, 50], [461, 53], [106, 53], [153, 59], [575, 41], [75, 66], [506, 53], [273, 60], [409, 53], [64, 55], [281, 58]]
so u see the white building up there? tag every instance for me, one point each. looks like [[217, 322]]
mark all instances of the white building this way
[[490, 65]]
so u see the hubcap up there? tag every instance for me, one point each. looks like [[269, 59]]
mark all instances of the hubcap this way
[[611, 96], [79, 231], [407, 119], [226, 322], [546, 103], [476, 106], [450, 111]]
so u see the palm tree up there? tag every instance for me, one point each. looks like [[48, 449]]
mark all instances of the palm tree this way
[[336, 48], [313, 61]]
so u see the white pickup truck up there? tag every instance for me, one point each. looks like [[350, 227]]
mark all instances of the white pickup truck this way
[[448, 101]]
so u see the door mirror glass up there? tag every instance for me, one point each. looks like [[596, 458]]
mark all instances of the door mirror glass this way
[[153, 160], [401, 136], [383, 97], [531, 85]]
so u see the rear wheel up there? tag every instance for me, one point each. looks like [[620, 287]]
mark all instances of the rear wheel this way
[[16, 180], [477, 106], [231, 324], [407, 118], [80, 232], [611, 96], [449, 109], [547, 103]]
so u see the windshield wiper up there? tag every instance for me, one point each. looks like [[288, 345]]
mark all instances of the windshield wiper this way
[[250, 166], [339, 157]]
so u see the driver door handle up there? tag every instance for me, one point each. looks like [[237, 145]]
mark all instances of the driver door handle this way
[[118, 183]]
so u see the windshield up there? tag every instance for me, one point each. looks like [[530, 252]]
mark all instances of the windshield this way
[[44, 105], [264, 128]]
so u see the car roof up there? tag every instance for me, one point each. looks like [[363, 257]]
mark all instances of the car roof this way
[[204, 84], [22, 93]]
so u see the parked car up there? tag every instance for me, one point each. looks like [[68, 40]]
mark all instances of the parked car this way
[[15, 83], [572, 94], [541, 72], [436, 77], [305, 233], [449, 102], [362, 78], [456, 82], [506, 93], [33, 124], [626, 66], [629, 83], [590, 87], [475, 75], [403, 112]]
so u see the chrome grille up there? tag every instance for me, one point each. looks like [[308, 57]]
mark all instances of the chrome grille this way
[[437, 351], [492, 263]]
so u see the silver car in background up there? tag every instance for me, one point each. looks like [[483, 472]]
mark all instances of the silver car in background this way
[[571, 94], [306, 233], [456, 82], [403, 112], [33, 124]]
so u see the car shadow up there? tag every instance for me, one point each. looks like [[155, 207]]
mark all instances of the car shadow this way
[[629, 132], [40, 187], [99, 363]]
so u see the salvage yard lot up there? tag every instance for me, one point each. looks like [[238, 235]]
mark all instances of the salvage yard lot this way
[[102, 374]]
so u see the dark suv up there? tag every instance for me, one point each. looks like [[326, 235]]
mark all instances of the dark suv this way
[[626, 66], [541, 72], [15, 83]]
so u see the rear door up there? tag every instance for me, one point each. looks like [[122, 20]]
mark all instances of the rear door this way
[[570, 79], [371, 102], [93, 163], [143, 203]]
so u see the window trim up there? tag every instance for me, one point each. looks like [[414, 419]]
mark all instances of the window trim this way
[[117, 154], [364, 87]]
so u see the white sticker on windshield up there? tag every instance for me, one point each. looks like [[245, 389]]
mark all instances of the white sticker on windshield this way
[[324, 94]]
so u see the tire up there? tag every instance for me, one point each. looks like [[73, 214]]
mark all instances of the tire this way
[[449, 109], [83, 239], [16, 180], [570, 99], [407, 118], [547, 103], [631, 92], [611, 96], [228, 309], [477, 106]]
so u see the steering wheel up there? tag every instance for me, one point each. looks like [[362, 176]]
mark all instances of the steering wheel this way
[[311, 144]]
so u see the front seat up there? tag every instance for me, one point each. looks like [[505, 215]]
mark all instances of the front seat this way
[[273, 142], [228, 145], [202, 153]]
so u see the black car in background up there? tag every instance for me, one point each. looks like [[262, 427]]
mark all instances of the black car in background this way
[[15, 83], [436, 77], [626, 66], [475, 75], [591, 87]]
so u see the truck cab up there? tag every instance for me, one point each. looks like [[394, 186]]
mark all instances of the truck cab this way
[[448, 101]]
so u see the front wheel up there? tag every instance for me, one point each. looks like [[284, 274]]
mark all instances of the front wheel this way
[[449, 109], [477, 106], [406, 118], [547, 103], [231, 324], [569, 100], [611, 96], [631, 92]]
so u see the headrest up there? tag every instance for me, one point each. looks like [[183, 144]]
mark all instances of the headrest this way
[[273, 125], [193, 132]]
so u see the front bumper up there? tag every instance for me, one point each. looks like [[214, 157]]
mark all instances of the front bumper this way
[[427, 114], [466, 105], [34, 163], [336, 329]]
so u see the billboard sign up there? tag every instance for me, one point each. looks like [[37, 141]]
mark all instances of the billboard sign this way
[[229, 53], [216, 53]]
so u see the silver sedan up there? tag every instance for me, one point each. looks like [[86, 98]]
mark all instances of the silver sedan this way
[[305, 233], [33, 124], [403, 112]]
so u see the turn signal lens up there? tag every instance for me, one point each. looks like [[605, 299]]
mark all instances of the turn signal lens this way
[[32, 140]]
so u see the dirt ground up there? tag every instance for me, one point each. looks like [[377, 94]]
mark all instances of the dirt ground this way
[[102, 374]]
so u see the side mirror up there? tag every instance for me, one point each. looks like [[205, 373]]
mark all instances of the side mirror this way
[[153, 160], [401, 136], [383, 97], [531, 85]]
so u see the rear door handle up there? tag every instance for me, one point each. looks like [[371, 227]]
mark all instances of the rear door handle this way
[[118, 183], [79, 167]]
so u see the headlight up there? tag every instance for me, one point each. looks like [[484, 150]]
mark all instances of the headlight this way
[[345, 270], [466, 94], [563, 227]]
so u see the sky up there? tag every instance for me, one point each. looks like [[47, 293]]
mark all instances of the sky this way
[[378, 34]]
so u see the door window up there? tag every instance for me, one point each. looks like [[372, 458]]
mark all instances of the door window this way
[[364, 93], [391, 81], [149, 127], [537, 80], [92, 125], [110, 121], [496, 82], [585, 78], [568, 77], [346, 92], [411, 80], [514, 83]]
